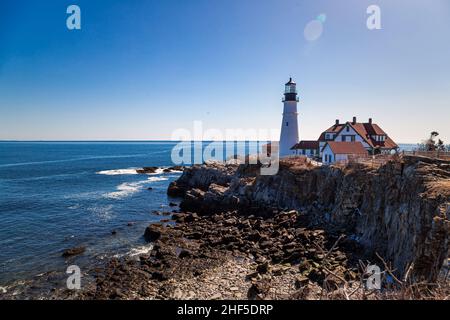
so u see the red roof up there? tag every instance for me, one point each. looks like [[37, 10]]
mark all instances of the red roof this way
[[346, 147], [306, 144], [366, 131], [334, 129]]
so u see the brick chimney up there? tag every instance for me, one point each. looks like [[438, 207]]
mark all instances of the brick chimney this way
[[354, 120], [370, 120], [337, 121]]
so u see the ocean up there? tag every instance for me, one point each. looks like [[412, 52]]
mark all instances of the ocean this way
[[58, 195]]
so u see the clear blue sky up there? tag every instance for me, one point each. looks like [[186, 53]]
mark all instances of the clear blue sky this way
[[141, 69]]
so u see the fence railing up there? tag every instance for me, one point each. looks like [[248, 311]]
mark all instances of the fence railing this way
[[374, 161], [438, 154]]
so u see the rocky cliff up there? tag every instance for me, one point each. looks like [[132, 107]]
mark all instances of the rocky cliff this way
[[399, 211]]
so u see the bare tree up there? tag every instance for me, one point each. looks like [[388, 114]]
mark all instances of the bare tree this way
[[430, 144]]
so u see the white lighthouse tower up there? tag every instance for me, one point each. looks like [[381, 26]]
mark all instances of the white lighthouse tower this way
[[289, 125]]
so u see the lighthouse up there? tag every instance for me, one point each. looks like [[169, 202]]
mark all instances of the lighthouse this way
[[289, 125]]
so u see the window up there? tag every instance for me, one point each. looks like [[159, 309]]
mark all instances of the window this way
[[343, 138], [287, 124], [347, 129], [352, 138]]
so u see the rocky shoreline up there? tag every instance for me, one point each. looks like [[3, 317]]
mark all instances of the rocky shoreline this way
[[231, 256], [306, 233], [400, 210]]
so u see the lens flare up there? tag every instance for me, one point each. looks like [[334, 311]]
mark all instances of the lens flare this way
[[313, 30], [322, 17]]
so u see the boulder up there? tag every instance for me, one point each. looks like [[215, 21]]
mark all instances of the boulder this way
[[153, 232], [175, 190], [263, 267], [147, 170], [73, 251]]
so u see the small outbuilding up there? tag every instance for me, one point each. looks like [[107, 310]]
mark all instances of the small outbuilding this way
[[309, 148], [341, 151]]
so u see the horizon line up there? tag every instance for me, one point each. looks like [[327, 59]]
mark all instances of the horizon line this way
[[156, 140]]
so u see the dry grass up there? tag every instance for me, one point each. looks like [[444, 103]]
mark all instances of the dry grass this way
[[399, 289]]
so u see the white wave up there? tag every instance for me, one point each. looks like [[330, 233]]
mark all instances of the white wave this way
[[118, 172], [154, 179], [157, 171], [136, 252], [128, 188], [133, 171], [124, 190], [140, 250]]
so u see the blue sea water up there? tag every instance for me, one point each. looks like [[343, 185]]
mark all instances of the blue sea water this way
[[58, 195]]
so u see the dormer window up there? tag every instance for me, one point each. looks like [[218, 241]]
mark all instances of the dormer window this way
[[379, 138]]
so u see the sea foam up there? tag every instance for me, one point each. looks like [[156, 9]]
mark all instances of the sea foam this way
[[128, 188], [118, 172]]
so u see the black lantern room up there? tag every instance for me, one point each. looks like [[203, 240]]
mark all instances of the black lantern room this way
[[290, 91]]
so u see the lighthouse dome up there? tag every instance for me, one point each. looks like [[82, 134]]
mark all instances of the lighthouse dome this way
[[290, 82]]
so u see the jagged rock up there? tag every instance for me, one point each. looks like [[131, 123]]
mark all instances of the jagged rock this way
[[179, 217], [405, 210], [147, 170], [175, 190], [185, 254], [301, 281], [258, 290], [263, 268], [400, 210], [73, 251], [153, 232], [192, 216]]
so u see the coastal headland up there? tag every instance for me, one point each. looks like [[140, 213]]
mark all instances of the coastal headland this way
[[308, 232]]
